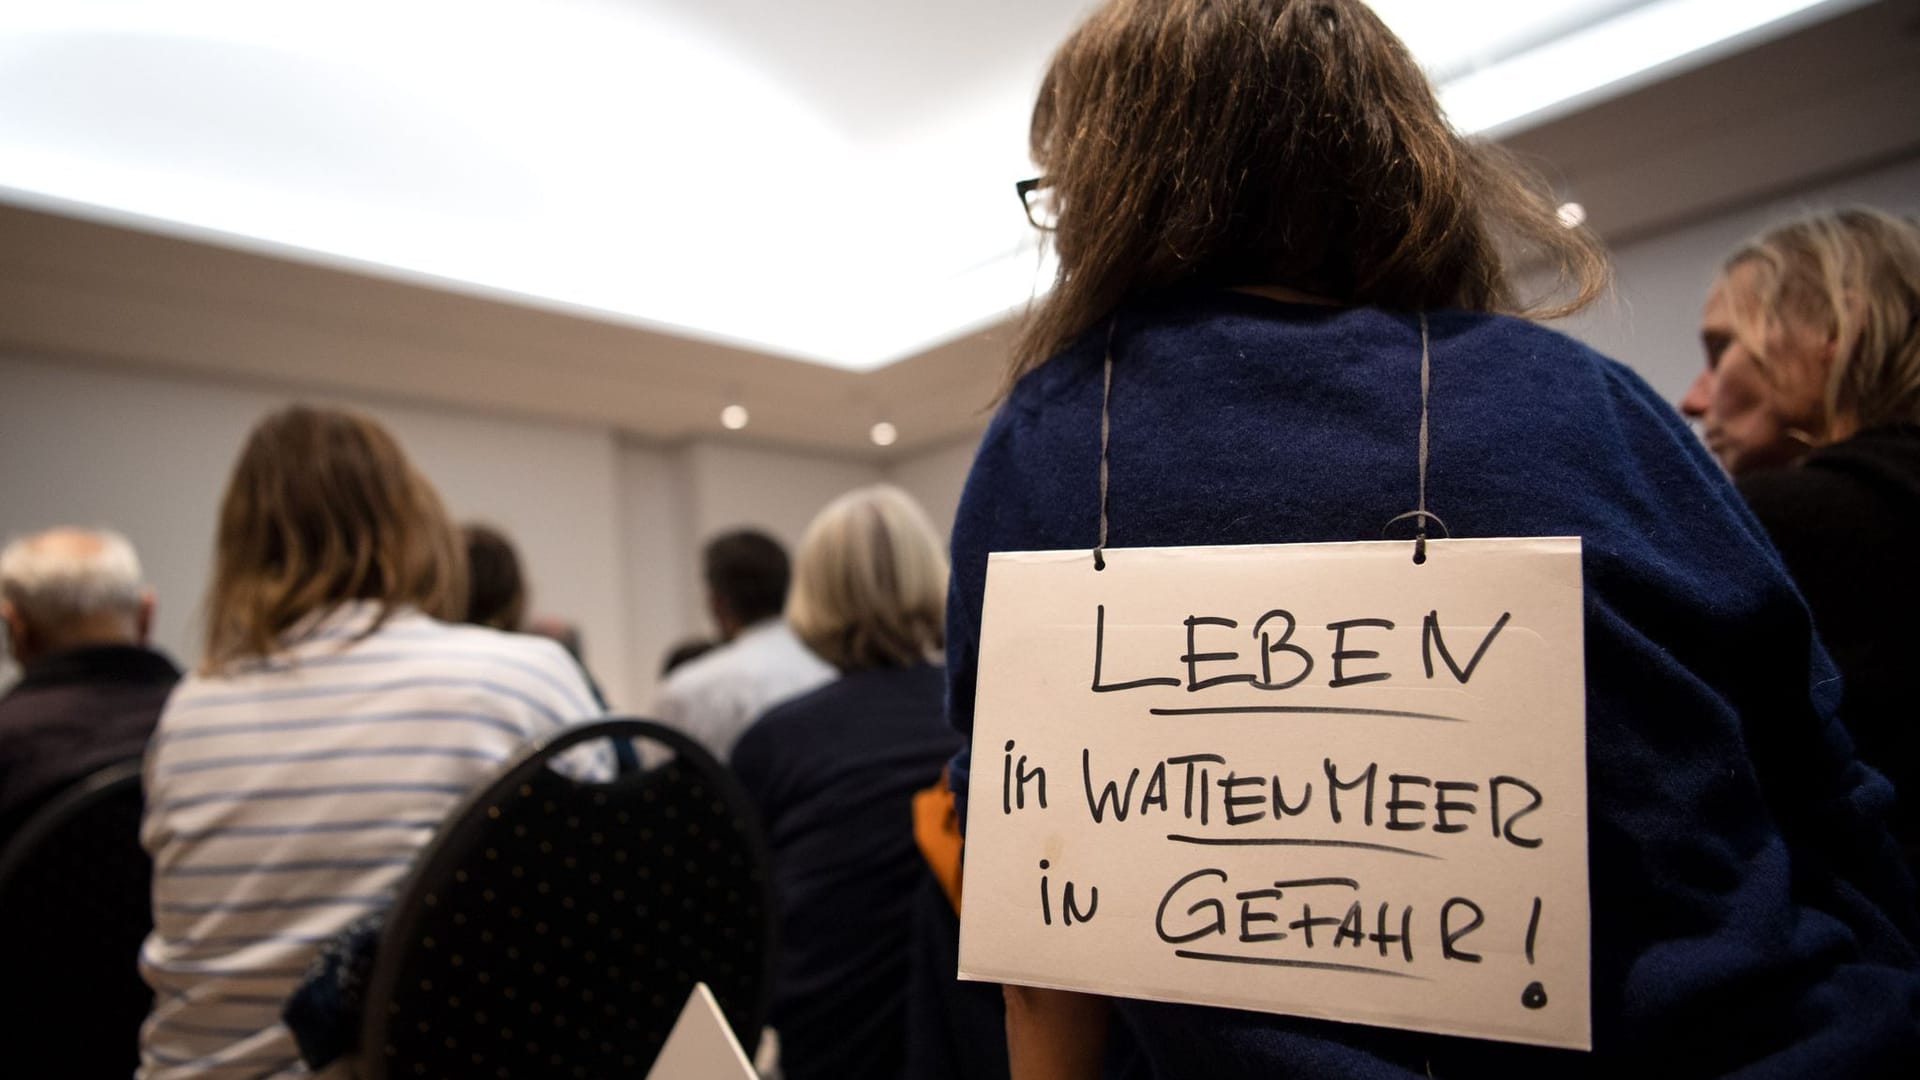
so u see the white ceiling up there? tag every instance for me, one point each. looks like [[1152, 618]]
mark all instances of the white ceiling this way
[[826, 180]]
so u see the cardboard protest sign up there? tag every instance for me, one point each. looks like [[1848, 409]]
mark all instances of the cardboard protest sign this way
[[701, 1046], [1311, 779]]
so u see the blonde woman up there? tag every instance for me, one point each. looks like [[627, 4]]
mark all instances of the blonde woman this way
[[834, 773], [335, 720], [1811, 399]]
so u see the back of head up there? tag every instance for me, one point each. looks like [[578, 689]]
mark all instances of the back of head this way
[[1291, 143], [67, 586], [496, 592], [870, 587], [747, 573], [1853, 276], [324, 508]]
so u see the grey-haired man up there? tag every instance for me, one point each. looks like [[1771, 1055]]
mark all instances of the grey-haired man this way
[[77, 616]]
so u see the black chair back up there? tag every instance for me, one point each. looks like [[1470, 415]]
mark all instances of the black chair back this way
[[75, 905], [555, 928]]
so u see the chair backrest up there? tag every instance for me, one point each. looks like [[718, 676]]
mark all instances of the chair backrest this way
[[75, 905], [555, 928]]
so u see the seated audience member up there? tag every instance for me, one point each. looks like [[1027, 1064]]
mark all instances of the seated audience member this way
[[1267, 234], [338, 715], [1811, 399], [759, 663], [497, 597], [496, 590], [834, 773], [90, 689]]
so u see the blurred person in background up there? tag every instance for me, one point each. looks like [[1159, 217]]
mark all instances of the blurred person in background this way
[[339, 714], [497, 597], [758, 663], [1267, 233], [77, 615], [834, 773], [496, 589], [1811, 398]]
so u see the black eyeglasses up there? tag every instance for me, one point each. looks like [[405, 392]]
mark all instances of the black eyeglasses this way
[[1038, 204]]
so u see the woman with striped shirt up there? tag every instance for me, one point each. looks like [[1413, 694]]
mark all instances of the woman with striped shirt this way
[[336, 719]]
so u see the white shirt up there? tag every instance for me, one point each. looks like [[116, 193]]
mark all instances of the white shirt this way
[[287, 797], [719, 695]]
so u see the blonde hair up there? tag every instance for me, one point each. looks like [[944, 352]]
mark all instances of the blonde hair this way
[[1853, 277], [870, 582], [323, 508]]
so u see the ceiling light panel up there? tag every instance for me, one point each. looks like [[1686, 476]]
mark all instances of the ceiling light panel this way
[[830, 182]]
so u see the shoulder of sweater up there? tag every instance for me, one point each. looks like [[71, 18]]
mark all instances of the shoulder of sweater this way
[[1497, 343], [1525, 340]]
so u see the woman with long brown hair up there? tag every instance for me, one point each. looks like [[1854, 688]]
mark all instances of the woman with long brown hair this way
[[1277, 264], [335, 719]]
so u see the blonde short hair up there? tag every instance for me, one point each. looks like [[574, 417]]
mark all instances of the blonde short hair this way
[[1853, 276], [870, 582]]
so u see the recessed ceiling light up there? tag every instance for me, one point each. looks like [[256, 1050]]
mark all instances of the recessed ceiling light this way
[[1572, 215], [884, 434], [733, 417]]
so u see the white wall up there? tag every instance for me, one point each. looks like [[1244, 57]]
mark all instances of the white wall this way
[[935, 479], [773, 489], [148, 454], [657, 552], [1652, 322], [675, 500], [609, 529]]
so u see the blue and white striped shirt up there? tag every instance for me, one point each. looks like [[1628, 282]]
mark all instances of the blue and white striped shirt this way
[[288, 797]]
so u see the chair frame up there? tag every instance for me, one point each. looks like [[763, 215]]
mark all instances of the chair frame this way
[[32, 841], [441, 857], [44, 821]]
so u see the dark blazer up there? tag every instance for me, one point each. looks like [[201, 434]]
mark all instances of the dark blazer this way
[[833, 773], [1846, 519], [71, 713]]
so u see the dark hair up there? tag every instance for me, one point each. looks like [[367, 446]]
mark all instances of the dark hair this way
[[747, 571], [685, 652], [496, 592], [1289, 143], [323, 508]]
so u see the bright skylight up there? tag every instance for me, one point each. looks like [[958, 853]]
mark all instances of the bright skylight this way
[[667, 163]]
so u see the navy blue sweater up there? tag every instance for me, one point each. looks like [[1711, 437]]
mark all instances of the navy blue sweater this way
[[1750, 915]]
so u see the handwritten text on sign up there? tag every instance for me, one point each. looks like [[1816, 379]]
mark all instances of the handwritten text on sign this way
[[1311, 779]]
